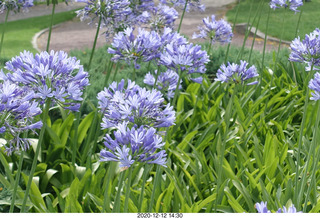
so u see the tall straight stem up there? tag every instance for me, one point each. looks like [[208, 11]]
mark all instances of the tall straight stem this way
[[94, 42], [144, 179], [50, 28], [182, 16], [4, 30], [16, 182], [155, 186], [35, 158], [110, 173], [126, 200], [116, 205], [265, 39], [234, 24], [173, 103], [315, 157], [224, 142], [297, 196]]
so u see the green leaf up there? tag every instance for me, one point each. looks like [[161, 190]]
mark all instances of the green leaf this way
[[84, 126]]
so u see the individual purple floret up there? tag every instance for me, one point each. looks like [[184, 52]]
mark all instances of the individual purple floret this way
[[55, 76], [15, 5], [186, 58], [191, 4], [237, 73], [145, 47], [215, 31], [291, 4], [314, 85], [17, 112], [307, 51], [133, 145], [166, 83], [262, 207], [135, 105]]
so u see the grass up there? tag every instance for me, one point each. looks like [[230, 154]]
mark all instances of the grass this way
[[310, 11], [19, 33]]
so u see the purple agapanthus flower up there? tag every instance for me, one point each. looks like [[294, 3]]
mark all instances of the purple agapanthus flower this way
[[291, 4], [162, 16], [314, 85], [144, 47], [55, 76], [307, 51], [166, 82], [113, 13], [17, 114], [15, 5], [237, 73], [132, 145], [215, 31], [135, 105], [191, 4], [291, 209], [186, 58], [262, 207]]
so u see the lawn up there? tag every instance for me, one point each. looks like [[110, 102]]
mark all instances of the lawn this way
[[310, 11], [19, 33]]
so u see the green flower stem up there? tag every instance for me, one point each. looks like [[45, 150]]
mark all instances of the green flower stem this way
[[265, 41], [95, 128], [315, 158], [155, 186], [255, 34], [35, 158], [157, 77], [144, 179], [173, 103], [75, 139], [116, 205], [127, 196], [51, 24], [277, 56], [299, 193], [115, 72], [298, 24], [106, 200], [4, 29], [194, 114], [233, 26], [16, 182], [239, 56], [134, 73], [227, 117], [94, 43], [182, 16]]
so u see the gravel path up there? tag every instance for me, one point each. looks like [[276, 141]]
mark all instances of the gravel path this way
[[79, 35]]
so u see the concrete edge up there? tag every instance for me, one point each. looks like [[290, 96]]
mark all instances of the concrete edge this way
[[37, 35], [242, 28]]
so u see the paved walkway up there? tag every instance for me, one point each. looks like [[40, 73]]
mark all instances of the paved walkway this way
[[79, 35]]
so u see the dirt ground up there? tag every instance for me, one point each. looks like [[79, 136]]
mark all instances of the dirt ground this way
[[79, 35]]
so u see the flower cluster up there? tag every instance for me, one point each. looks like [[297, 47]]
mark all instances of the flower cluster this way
[[113, 14], [55, 76], [292, 4], [17, 112], [133, 145], [162, 16], [314, 85], [215, 31], [134, 104], [237, 73], [15, 5], [186, 58], [136, 113], [166, 82], [129, 48], [191, 4], [307, 51], [262, 208]]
